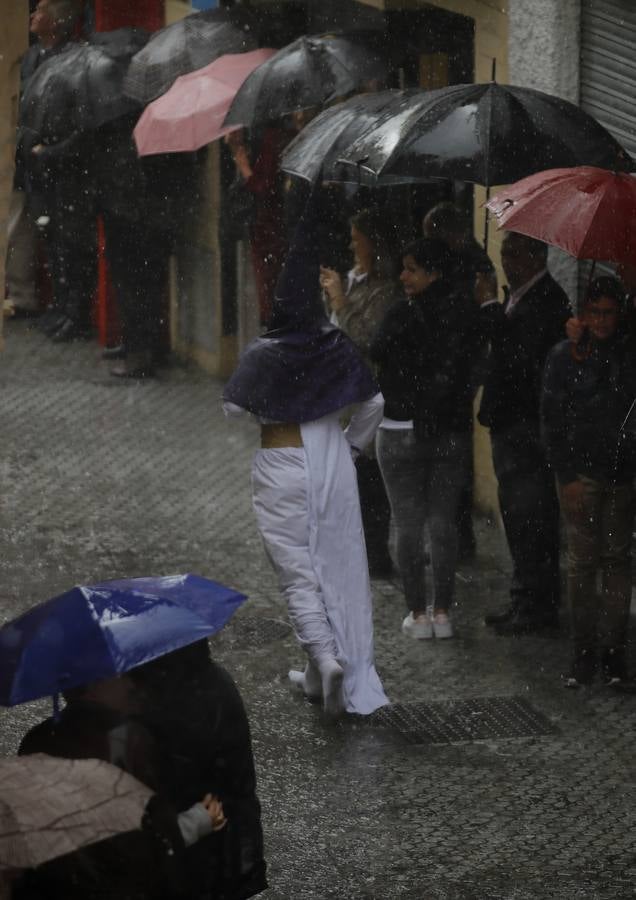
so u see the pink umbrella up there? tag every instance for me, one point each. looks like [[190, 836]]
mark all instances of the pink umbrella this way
[[191, 113]]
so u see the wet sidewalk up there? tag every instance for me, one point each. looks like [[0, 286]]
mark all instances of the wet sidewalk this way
[[486, 779]]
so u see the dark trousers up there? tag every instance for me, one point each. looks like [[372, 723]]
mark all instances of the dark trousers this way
[[138, 260], [424, 480], [376, 513], [599, 540], [530, 512], [465, 527], [71, 248]]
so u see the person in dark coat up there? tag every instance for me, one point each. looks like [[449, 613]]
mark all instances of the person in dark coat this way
[[140, 202], [195, 713], [51, 23], [521, 332], [588, 393], [447, 223], [100, 722], [424, 352], [57, 179]]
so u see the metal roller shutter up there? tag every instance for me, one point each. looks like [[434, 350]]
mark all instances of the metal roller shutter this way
[[608, 66], [608, 80]]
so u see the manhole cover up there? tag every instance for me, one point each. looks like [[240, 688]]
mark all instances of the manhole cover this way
[[253, 631], [487, 718]]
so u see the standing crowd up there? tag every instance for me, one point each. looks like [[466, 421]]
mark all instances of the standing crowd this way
[[61, 188], [399, 361], [557, 398]]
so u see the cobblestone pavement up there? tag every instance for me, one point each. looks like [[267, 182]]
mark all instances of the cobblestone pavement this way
[[101, 479]]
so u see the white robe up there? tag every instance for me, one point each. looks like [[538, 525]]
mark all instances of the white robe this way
[[308, 513]]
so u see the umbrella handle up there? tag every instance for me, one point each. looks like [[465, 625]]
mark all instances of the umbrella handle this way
[[582, 349]]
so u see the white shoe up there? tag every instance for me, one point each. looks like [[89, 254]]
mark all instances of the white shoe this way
[[419, 628], [442, 626]]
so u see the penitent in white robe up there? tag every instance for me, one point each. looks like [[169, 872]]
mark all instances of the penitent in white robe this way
[[308, 513]]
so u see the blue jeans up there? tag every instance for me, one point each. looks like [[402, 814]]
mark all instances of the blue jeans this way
[[424, 480]]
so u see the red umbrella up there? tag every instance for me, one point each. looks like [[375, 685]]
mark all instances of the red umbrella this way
[[191, 113], [588, 212]]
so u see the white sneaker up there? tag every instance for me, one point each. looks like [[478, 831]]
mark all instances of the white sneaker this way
[[419, 628], [442, 626]]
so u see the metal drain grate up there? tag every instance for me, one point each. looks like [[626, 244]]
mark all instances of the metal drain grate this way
[[448, 722], [254, 631]]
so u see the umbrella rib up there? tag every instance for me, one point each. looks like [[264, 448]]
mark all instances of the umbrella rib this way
[[57, 824], [599, 201]]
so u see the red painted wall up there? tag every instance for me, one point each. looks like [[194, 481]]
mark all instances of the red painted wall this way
[[110, 14]]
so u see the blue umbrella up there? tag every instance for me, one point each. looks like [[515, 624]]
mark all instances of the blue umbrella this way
[[95, 631]]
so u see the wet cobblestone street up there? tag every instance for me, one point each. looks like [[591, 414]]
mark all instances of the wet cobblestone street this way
[[101, 479]]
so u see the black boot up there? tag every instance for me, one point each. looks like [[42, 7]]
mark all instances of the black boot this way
[[582, 669], [614, 665]]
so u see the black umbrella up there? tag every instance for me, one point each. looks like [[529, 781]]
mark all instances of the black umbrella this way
[[321, 143], [484, 133], [106, 69], [187, 45], [80, 88], [307, 73]]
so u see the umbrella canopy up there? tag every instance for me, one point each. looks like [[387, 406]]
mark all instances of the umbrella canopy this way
[[309, 72], [191, 113], [483, 133], [587, 212], [321, 143], [80, 88], [95, 631], [187, 45], [50, 807]]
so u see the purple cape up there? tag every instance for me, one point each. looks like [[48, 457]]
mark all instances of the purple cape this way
[[295, 376]]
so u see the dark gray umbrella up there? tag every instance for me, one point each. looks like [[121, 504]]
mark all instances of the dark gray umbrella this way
[[315, 152], [309, 72], [484, 133], [187, 45], [80, 88]]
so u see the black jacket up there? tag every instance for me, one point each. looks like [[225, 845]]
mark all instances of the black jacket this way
[[583, 406], [425, 351], [196, 715], [519, 344]]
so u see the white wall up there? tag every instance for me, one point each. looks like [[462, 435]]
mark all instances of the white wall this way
[[543, 53]]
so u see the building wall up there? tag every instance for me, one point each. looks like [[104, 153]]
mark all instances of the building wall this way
[[544, 53], [14, 40], [195, 288]]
